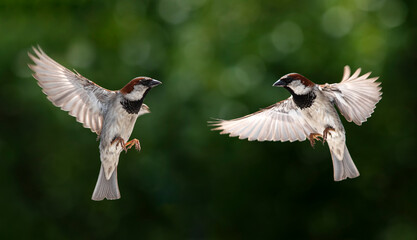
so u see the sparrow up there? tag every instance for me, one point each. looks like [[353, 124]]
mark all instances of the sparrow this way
[[310, 113], [109, 114]]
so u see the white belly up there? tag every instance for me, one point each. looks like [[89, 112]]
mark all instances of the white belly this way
[[322, 114], [115, 125], [118, 125]]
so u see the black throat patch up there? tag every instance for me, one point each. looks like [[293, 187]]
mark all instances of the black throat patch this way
[[303, 101], [133, 107]]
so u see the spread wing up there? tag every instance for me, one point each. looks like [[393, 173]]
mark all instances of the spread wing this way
[[282, 121], [70, 91], [355, 96]]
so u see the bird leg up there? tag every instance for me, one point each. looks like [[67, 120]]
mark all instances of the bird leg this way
[[326, 132], [313, 137], [119, 140], [133, 142]]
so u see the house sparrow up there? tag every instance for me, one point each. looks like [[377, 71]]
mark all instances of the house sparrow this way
[[109, 114], [310, 113]]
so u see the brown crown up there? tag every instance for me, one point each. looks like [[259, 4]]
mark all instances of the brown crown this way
[[129, 87], [304, 80]]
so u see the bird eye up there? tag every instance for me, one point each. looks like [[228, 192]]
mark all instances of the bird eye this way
[[145, 82], [288, 80]]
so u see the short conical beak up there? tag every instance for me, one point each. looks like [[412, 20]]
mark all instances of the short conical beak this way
[[279, 83], [154, 83]]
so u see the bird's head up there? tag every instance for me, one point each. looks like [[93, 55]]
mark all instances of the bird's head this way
[[295, 83], [138, 87]]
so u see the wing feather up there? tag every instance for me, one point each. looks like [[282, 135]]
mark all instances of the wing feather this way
[[70, 91], [291, 130], [282, 121], [355, 96], [265, 129], [283, 129], [256, 130], [269, 136]]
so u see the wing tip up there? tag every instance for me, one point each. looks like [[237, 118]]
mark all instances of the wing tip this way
[[216, 123], [356, 75]]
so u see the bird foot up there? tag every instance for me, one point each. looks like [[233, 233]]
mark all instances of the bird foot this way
[[327, 132], [134, 142], [119, 141], [313, 137]]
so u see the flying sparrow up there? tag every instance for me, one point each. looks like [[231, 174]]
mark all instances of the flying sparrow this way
[[109, 114], [310, 113]]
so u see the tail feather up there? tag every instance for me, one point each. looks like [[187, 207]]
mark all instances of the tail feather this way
[[106, 189], [344, 168]]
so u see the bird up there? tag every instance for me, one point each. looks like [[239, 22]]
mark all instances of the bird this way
[[109, 114], [310, 113]]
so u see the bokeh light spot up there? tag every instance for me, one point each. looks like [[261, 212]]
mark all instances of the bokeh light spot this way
[[369, 5], [393, 13], [337, 22], [287, 37], [234, 81], [81, 54], [174, 11], [372, 47], [135, 51]]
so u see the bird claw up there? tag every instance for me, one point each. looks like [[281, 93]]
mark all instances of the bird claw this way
[[313, 137], [327, 132], [134, 142], [121, 142]]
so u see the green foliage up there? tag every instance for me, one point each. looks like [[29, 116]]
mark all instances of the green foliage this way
[[216, 59]]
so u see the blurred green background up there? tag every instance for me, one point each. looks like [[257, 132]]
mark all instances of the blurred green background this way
[[216, 59]]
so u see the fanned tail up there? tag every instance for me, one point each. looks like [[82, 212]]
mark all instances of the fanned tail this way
[[344, 168], [106, 189]]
